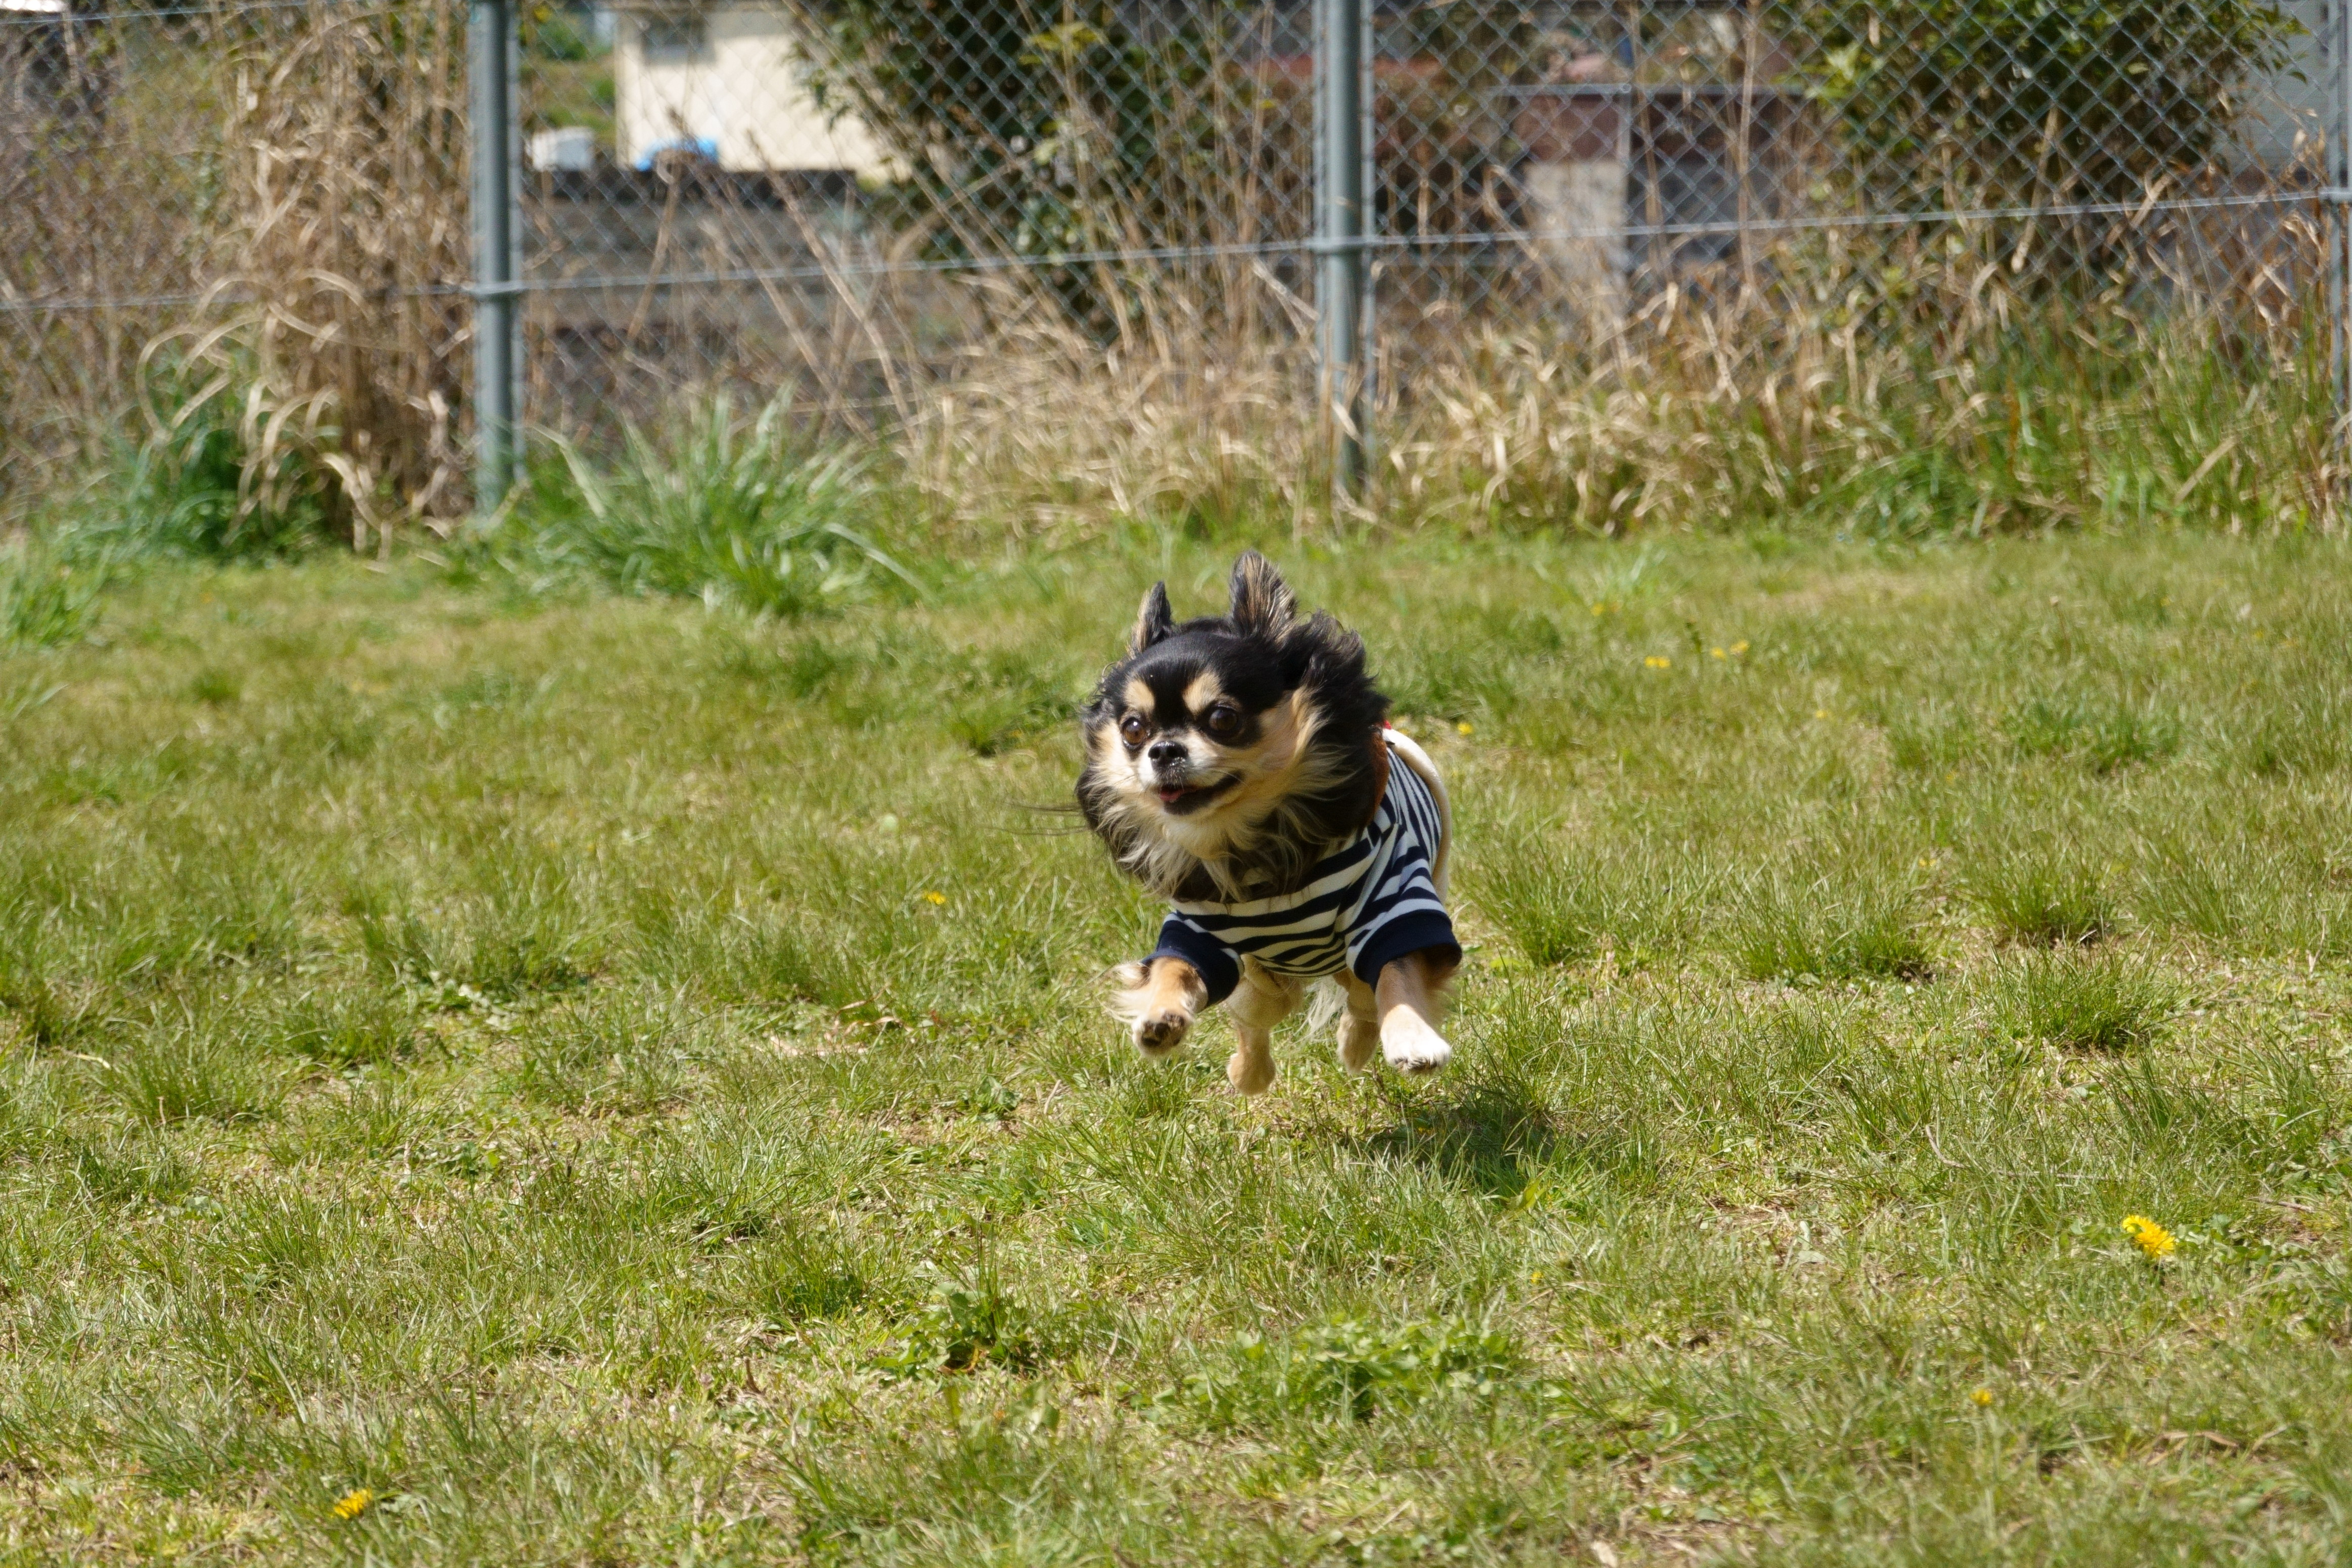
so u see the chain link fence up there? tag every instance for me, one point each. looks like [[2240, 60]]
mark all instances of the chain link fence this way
[[1082, 244], [864, 204]]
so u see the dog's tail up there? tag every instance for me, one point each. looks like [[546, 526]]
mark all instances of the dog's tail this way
[[1326, 1003], [1415, 757]]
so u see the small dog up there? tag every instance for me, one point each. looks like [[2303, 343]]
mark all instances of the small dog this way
[[1242, 767]]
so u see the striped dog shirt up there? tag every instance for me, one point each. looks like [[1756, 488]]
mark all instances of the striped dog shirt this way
[[1368, 902]]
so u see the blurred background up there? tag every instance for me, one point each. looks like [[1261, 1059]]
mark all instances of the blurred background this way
[[1624, 261]]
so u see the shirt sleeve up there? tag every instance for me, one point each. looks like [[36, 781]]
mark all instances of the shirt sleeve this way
[[1220, 971], [1405, 934]]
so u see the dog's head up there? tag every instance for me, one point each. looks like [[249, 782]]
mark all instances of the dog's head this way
[[1232, 748]]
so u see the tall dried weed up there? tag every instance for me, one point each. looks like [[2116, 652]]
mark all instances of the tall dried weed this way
[[273, 202], [307, 250], [1881, 392], [348, 141]]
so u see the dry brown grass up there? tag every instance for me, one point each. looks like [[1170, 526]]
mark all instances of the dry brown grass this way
[[94, 209], [349, 143], [1881, 385], [1049, 431], [291, 184], [1892, 391], [280, 195]]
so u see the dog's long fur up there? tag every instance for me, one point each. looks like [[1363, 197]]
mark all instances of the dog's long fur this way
[[1247, 813], [1309, 783]]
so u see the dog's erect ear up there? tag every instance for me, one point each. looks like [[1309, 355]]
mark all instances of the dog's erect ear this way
[[1152, 621], [1262, 601]]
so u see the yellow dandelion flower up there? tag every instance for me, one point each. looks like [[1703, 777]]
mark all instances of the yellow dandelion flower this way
[[1738, 648], [1980, 1396], [1464, 727], [1717, 653], [1658, 662], [2149, 1236], [353, 1503], [1820, 713], [935, 898]]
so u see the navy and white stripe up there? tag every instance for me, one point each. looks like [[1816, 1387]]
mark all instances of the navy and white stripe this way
[[1368, 902]]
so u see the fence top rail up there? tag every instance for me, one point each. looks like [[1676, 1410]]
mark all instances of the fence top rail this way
[[1643, 90], [45, 14], [1492, 238]]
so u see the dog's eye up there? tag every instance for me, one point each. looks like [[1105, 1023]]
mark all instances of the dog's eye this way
[[1225, 721], [1132, 729]]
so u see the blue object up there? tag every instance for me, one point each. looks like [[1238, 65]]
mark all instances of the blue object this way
[[702, 147]]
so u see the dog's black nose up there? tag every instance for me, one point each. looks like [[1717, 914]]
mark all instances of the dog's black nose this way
[[1168, 754]]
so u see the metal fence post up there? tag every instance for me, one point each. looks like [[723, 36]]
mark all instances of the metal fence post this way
[[1342, 61], [494, 64], [2337, 35]]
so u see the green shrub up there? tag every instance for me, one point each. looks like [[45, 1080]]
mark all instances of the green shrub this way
[[561, 34], [1828, 933], [46, 601], [1349, 1370], [2084, 1002], [2102, 734], [712, 509], [2044, 894], [199, 486], [1045, 130]]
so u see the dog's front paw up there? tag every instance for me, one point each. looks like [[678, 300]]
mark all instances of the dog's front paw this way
[[1161, 1029], [1157, 1000], [1411, 1045]]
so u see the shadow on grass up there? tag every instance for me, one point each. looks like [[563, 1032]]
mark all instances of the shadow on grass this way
[[1497, 1136]]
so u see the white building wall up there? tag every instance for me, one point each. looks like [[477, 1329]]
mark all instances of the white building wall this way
[[735, 78]]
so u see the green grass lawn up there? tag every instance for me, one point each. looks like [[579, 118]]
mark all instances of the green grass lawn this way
[[625, 1083]]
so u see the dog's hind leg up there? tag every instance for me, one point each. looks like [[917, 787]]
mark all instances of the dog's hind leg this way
[[1260, 1002], [1360, 1026], [1407, 994]]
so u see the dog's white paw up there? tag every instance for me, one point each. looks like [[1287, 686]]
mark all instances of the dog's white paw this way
[[1161, 1029], [1411, 1045]]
